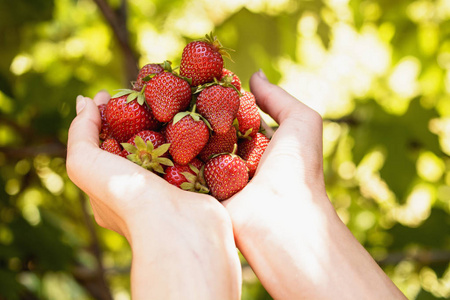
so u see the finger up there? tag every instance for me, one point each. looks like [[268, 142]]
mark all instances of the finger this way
[[102, 97], [86, 125], [275, 101]]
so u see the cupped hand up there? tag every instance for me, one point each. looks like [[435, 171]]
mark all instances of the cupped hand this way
[[289, 177], [171, 232], [285, 225], [121, 192]]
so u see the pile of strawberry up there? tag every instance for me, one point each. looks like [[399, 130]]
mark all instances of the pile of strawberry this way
[[197, 127]]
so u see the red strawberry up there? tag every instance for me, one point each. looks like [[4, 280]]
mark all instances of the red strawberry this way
[[167, 94], [219, 143], [219, 105], [156, 138], [126, 118], [225, 175], [187, 134], [252, 150], [248, 117], [112, 146], [146, 154], [146, 71], [104, 130], [202, 61], [187, 177], [227, 75]]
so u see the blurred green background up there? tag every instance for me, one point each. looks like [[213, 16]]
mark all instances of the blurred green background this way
[[377, 71]]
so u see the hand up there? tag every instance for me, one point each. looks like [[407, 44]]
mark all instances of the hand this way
[[182, 242], [284, 224]]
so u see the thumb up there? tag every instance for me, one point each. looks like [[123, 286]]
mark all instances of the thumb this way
[[86, 125]]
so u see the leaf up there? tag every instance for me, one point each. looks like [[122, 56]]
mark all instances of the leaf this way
[[132, 96], [134, 158], [194, 168], [180, 116], [122, 92], [158, 168], [129, 147], [187, 186], [189, 176], [164, 161], [140, 144], [141, 99], [161, 149]]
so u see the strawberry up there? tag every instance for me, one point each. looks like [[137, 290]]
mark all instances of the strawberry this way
[[219, 105], [167, 94], [187, 134], [227, 75], [187, 177], [252, 150], [248, 117], [225, 175], [202, 61], [146, 72], [112, 146], [127, 117], [156, 138], [219, 143], [104, 130], [147, 155]]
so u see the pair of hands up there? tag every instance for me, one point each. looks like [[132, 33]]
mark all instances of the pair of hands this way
[[184, 244]]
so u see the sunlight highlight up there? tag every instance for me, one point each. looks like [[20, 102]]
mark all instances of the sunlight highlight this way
[[403, 80], [157, 47], [417, 207], [21, 64], [329, 81], [430, 167]]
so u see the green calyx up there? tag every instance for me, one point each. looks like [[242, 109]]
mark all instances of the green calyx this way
[[196, 183], [232, 153], [214, 41], [194, 115], [246, 135], [132, 95], [145, 155], [225, 82]]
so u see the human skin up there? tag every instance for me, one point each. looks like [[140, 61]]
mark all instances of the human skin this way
[[282, 221], [182, 243], [285, 225]]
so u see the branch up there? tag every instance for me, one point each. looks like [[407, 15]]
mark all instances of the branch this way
[[117, 20], [56, 149]]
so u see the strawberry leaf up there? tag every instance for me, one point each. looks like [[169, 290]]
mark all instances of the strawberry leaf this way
[[164, 161], [187, 186], [158, 168], [134, 158], [161, 149], [141, 99], [132, 96], [140, 144], [122, 92], [194, 168], [150, 147], [180, 116], [189, 176], [130, 148]]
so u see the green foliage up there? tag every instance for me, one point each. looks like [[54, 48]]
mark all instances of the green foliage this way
[[377, 71]]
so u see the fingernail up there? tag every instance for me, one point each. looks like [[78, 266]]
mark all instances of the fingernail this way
[[81, 103], [262, 75]]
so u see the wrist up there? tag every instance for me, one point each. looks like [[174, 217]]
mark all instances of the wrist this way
[[179, 246], [261, 211]]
